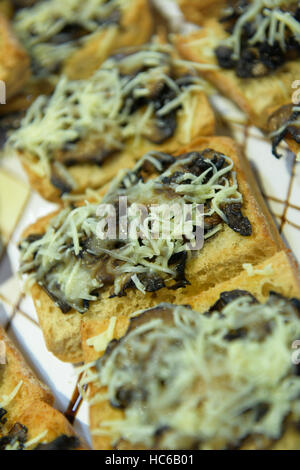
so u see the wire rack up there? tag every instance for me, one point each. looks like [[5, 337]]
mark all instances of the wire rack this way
[[279, 181]]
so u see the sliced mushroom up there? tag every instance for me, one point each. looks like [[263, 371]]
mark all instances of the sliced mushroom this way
[[179, 260], [161, 129], [236, 220], [70, 32], [3, 413], [162, 311], [228, 297], [57, 297], [61, 179], [79, 155]]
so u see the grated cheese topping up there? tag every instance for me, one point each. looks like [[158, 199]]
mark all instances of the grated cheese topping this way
[[74, 259], [135, 95], [51, 30], [36, 440], [100, 342], [186, 380], [272, 22]]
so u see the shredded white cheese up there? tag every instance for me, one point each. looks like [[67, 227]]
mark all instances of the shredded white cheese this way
[[99, 109], [251, 271], [197, 386], [100, 342], [36, 440], [271, 24]]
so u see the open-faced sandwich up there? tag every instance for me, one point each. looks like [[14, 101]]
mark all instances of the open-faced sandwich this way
[[256, 45], [76, 273], [219, 373], [86, 131], [284, 124], [27, 419], [14, 62], [76, 37]]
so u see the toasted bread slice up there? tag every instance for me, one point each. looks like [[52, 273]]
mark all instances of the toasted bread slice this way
[[135, 28], [14, 61], [279, 274], [201, 117], [256, 96], [27, 401], [221, 258]]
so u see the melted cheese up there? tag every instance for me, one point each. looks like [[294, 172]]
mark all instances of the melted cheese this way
[[200, 387]]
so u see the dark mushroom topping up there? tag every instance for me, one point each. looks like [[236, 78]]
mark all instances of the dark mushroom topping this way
[[8, 123], [233, 335], [261, 58], [259, 410], [227, 297], [58, 181], [70, 32], [162, 129], [151, 282], [179, 260], [163, 311], [17, 434], [127, 395], [56, 296], [284, 118], [236, 220]]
